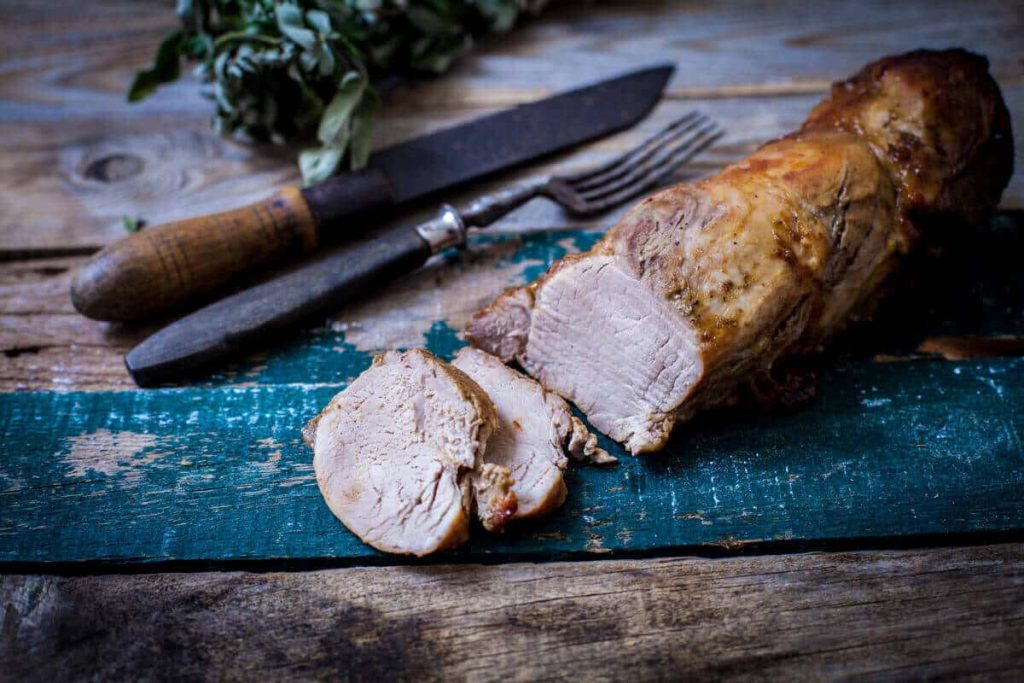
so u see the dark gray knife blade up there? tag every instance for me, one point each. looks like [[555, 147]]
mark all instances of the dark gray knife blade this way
[[451, 157], [164, 266], [511, 137]]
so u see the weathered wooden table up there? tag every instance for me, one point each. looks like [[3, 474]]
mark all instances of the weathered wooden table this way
[[179, 532]]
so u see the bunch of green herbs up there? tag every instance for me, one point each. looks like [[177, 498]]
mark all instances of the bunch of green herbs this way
[[280, 71]]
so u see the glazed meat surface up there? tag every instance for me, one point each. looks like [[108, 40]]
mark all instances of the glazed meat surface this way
[[701, 288]]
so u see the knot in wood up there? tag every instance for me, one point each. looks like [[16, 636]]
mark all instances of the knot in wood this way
[[112, 168]]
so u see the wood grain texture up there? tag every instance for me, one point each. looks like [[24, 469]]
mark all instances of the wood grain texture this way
[[156, 269], [79, 157], [975, 292], [941, 613], [886, 449]]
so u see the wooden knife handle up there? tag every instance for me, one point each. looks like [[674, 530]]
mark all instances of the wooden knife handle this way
[[162, 266]]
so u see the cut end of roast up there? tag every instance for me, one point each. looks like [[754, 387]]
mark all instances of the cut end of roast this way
[[600, 337]]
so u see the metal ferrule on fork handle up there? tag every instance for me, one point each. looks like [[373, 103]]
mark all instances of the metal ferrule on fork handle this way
[[445, 230]]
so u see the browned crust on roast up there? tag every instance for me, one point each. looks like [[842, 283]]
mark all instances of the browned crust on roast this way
[[955, 156], [501, 327], [925, 134]]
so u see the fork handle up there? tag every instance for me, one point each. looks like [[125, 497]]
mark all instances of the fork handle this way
[[483, 211], [254, 317]]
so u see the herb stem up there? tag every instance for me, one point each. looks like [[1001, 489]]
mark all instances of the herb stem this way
[[233, 36]]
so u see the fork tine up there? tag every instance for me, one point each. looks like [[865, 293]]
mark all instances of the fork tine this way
[[652, 142], [617, 193], [610, 184], [640, 171], [641, 156]]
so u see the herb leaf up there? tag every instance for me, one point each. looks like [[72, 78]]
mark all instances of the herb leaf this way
[[335, 123], [132, 223], [281, 70], [166, 68], [361, 136], [290, 22]]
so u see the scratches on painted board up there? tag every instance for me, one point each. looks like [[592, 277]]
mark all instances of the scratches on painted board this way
[[451, 290], [405, 312], [225, 469], [272, 447]]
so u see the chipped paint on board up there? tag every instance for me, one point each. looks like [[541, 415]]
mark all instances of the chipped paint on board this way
[[444, 291], [272, 447], [111, 454], [449, 290]]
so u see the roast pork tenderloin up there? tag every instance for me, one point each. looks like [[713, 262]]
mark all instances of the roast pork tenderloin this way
[[702, 287]]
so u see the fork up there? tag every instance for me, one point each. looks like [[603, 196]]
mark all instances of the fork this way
[[247, 318], [587, 192]]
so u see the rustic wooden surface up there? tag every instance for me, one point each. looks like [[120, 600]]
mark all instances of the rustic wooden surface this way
[[925, 614], [77, 159], [887, 448], [972, 293]]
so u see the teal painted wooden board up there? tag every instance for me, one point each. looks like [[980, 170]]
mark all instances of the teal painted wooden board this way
[[222, 474]]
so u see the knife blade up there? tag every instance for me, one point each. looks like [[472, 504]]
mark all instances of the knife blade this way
[[162, 267]]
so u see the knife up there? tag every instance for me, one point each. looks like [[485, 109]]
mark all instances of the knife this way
[[164, 266]]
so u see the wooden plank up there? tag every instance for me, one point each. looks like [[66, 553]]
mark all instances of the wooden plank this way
[[940, 613], [758, 48], [79, 158], [747, 47], [161, 169], [975, 293], [886, 449], [164, 169]]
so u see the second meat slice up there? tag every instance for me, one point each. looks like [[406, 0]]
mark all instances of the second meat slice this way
[[536, 431]]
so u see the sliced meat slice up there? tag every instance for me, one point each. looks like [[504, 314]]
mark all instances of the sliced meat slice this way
[[398, 455], [536, 432]]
